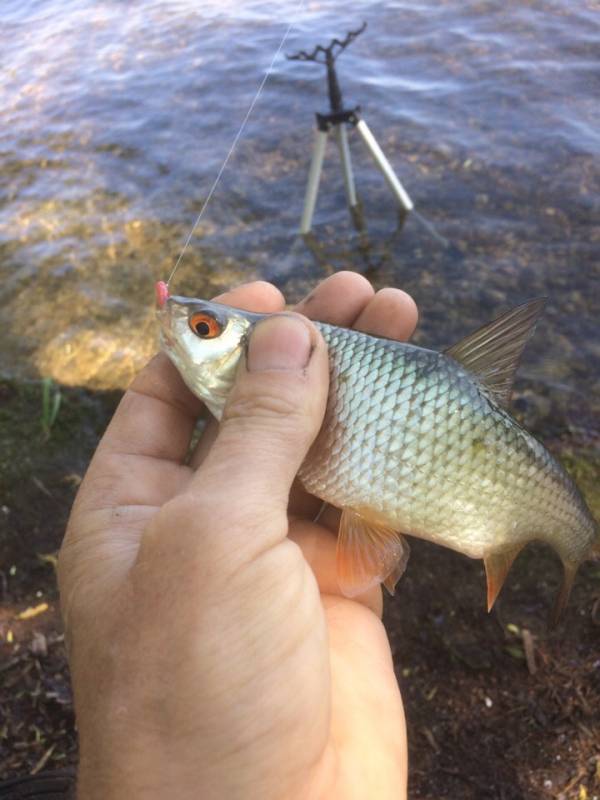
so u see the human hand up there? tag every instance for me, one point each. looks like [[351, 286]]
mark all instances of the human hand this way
[[211, 653]]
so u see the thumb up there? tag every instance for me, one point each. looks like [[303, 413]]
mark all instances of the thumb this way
[[272, 416]]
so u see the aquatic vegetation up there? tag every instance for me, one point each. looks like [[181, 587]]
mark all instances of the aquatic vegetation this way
[[51, 401]]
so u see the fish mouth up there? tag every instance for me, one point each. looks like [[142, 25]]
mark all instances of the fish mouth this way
[[167, 340], [165, 321], [163, 313]]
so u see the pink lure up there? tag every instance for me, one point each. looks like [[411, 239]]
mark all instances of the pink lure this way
[[162, 293]]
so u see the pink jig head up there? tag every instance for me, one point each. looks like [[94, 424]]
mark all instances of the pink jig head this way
[[162, 293]]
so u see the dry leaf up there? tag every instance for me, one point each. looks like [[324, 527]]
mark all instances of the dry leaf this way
[[33, 611]]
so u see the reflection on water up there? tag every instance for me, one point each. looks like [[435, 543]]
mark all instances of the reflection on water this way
[[113, 127]]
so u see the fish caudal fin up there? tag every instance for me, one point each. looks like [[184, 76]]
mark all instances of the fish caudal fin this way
[[569, 572], [368, 553], [497, 566]]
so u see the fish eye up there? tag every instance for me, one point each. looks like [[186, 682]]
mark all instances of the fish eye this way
[[205, 326]]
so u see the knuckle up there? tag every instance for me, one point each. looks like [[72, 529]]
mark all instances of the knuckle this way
[[180, 513]]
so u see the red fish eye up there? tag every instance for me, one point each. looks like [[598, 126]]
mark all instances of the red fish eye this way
[[205, 326]]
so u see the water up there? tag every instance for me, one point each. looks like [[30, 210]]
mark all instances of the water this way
[[115, 118]]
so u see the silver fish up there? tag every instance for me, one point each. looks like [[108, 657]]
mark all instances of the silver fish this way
[[413, 442]]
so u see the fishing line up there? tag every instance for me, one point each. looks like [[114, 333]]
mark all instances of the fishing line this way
[[237, 137], [430, 229]]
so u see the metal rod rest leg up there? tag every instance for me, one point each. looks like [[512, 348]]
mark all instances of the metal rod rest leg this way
[[312, 187], [342, 140], [384, 165]]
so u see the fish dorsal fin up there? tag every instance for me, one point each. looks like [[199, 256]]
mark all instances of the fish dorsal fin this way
[[368, 553], [493, 352]]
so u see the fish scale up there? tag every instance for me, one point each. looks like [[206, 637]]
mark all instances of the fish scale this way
[[413, 442], [441, 447]]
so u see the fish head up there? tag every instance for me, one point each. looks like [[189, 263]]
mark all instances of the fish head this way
[[205, 341]]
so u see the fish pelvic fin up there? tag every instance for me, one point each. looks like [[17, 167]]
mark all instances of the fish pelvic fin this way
[[493, 352], [562, 598], [497, 567], [368, 553]]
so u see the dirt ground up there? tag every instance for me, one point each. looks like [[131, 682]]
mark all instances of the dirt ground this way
[[497, 705]]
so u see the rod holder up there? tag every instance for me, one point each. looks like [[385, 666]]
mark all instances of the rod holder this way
[[340, 119]]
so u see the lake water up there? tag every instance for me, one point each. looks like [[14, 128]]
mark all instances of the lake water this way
[[116, 116]]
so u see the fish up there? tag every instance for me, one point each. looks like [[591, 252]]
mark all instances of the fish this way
[[414, 442]]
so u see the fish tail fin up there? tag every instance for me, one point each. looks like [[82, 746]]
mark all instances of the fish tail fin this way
[[562, 598], [569, 571]]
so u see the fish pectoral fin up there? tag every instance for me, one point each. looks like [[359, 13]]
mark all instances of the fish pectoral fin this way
[[493, 352], [368, 553], [562, 598], [497, 566]]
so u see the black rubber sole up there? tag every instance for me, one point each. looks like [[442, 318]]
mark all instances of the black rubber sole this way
[[59, 785]]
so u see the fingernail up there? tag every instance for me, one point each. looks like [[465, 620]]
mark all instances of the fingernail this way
[[279, 342]]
